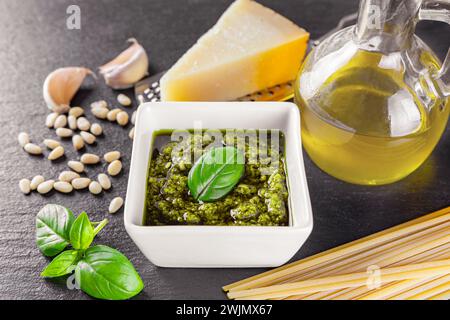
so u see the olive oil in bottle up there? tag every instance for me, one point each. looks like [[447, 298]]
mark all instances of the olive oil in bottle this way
[[365, 125]]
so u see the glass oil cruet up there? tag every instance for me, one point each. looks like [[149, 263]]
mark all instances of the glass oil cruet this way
[[374, 97]]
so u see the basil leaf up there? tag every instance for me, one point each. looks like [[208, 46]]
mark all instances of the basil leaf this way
[[53, 223], [63, 264], [216, 173], [105, 273], [81, 233]]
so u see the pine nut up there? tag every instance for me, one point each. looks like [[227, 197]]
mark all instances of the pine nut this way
[[76, 166], [63, 187], [24, 186], [89, 138], [50, 120], [131, 133], [51, 144], [60, 122], [133, 117], [72, 120], [76, 112], [104, 181], [57, 153], [83, 124], [114, 168], [124, 100], [36, 181], [80, 183], [101, 103], [68, 176], [96, 129], [115, 205], [95, 187], [64, 132], [45, 187], [112, 115], [32, 148], [78, 142], [122, 118], [100, 112], [111, 156], [89, 158], [23, 138]]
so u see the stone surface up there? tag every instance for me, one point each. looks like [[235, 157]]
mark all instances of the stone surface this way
[[34, 41]]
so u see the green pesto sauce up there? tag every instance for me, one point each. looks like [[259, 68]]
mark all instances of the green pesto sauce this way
[[259, 199]]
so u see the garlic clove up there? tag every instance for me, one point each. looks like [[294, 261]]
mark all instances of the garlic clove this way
[[127, 68], [61, 85]]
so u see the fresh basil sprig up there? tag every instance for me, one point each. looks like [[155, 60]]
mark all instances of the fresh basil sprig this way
[[105, 273], [53, 223], [100, 271], [216, 173], [81, 232]]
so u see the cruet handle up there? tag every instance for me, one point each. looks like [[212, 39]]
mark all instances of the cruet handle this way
[[439, 10]]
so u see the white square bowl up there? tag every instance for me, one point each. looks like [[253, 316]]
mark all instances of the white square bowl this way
[[218, 246]]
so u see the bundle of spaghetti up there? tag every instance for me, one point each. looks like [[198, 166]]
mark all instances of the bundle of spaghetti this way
[[422, 240]]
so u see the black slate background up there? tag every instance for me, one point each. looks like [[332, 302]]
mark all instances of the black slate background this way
[[34, 41]]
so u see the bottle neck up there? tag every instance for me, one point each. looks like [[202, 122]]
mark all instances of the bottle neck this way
[[386, 25]]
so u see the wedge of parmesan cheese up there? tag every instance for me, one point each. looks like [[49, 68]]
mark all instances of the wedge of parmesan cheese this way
[[250, 48]]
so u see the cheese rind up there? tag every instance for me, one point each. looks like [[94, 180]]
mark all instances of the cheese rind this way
[[250, 48]]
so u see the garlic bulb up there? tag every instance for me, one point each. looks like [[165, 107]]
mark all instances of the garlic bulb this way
[[61, 85], [127, 68]]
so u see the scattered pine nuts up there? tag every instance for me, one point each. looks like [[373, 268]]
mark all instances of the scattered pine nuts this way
[[80, 183], [50, 120], [60, 122], [131, 133], [32, 148], [115, 204], [76, 166], [124, 100], [24, 186], [72, 120], [89, 158], [83, 124], [36, 181], [64, 132], [95, 187], [57, 153], [89, 138], [45, 187], [104, 181], [78, 142], [96, 129], [63, 187], [68, 176], [51, 144], [114, 168], [112, 115], [122, 118], [24, 139], [111, 156], [133, 117], [101, 103], [76, 112], [100, 112]]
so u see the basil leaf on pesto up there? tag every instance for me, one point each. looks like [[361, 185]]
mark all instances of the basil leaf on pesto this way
[[216, 173]]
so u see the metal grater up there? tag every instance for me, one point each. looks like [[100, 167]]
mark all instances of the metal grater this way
[[148, 89]]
